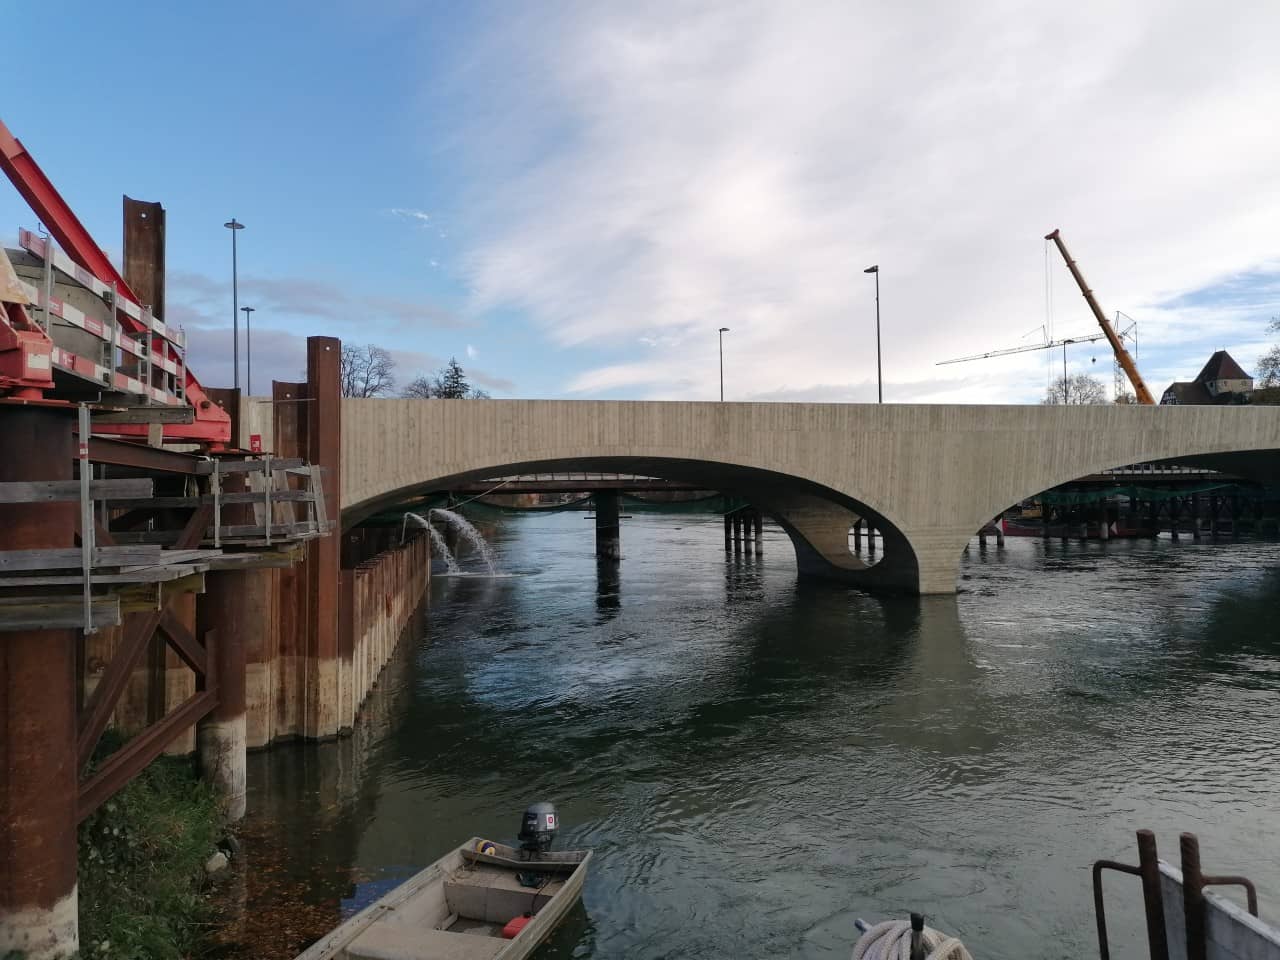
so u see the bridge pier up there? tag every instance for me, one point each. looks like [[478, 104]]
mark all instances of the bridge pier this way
[[225, 617], [38, 776], [758, 517], [608, 532]]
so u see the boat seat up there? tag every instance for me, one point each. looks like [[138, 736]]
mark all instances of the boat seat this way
[[386, 942]]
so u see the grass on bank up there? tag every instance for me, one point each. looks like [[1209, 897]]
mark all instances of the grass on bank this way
[[142, 856]]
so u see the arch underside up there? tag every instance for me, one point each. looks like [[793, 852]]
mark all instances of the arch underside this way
[[1255, 466], [815, 517]]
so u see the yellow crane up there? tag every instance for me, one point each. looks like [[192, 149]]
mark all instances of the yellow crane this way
[[1122, 355]]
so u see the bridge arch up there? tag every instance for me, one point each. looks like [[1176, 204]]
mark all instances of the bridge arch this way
[[930, 475], [816, 518]]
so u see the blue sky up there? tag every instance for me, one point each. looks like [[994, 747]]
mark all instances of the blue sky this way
[[572, 198]]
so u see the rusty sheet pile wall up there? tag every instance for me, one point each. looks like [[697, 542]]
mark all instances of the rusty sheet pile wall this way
[[382, 596]]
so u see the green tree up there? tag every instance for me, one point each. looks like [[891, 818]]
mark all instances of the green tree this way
[[1269, 362], [448, 383]]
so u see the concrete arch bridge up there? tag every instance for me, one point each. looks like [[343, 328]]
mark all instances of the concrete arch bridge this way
[[927, 477]]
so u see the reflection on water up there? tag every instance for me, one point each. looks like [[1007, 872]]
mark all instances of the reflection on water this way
[[757, 761]]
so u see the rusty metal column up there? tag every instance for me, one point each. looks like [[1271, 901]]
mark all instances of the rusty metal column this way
[[325, 673], [223, 614], [608, 532], [38, 776]]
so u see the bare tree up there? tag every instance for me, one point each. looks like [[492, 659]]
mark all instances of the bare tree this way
[[419, 388], [366, 371], [448, 383], [1269, 362], [1078, 388]]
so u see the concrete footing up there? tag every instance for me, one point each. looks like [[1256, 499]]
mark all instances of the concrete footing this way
[[221, 748], [42, 933]]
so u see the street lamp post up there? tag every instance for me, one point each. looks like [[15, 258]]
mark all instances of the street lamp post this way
[[723, 331], [248, 352], [235, 228], [879, 377]]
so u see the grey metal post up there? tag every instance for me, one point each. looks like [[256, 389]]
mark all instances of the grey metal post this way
[[723, 331], [235, 227], [248, 352]]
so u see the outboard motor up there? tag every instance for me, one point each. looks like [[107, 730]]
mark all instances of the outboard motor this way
[[539, 827]]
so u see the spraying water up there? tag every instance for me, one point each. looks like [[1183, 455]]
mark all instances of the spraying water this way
[[437, 541], [472, 536]]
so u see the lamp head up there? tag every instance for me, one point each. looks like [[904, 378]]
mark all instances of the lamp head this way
[[724, 329], [875, 269], [232, 224]]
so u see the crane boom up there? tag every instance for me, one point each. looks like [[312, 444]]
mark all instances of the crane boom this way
[[1027, 349], [1122, 355]]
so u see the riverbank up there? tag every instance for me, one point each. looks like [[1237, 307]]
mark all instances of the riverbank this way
[[142, 867]]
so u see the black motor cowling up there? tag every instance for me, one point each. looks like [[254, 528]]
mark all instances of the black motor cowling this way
[[539, 826]]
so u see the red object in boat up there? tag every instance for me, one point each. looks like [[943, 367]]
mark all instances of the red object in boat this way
[[513, 927]]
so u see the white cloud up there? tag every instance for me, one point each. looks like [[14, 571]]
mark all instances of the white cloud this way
[[665, 169], [472, 352], [408, 213]]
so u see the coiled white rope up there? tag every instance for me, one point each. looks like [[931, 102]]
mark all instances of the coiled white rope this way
[[891, 940]]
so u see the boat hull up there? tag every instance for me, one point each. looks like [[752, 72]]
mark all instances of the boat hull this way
[[456, 908]]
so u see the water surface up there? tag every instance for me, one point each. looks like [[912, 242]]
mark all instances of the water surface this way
[[758, 761]]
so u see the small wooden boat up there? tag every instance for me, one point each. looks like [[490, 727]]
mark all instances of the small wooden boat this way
[[457, 908]]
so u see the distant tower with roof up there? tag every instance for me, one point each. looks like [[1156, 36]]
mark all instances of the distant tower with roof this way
[[1222, 380]]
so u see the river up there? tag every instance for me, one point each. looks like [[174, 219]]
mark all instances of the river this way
[[758, 761]]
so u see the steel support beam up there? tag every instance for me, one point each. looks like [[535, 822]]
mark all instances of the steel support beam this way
[[38, 907], [139, 629], [324, 449], [224, 619], [127, 762]]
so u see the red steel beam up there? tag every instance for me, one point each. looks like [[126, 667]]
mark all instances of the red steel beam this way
[[127, 762], [125, 453], [212, 425], [184, 643]]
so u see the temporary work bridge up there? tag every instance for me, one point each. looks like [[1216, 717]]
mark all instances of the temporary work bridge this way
[[121, 483]]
